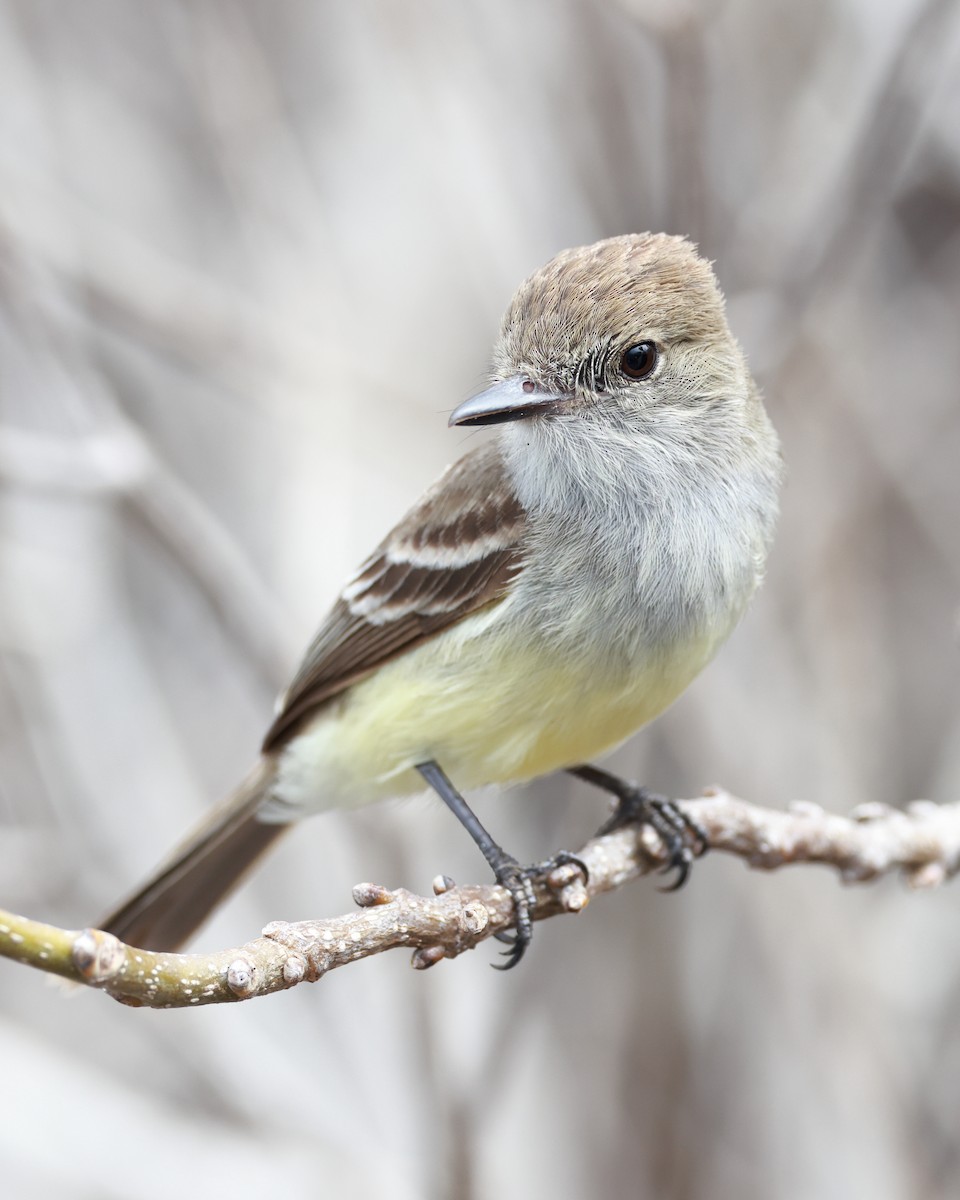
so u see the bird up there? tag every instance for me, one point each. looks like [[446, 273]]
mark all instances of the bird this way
[[553, 592]]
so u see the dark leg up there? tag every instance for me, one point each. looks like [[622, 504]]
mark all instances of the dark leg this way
[[509, 874], [683, 837]]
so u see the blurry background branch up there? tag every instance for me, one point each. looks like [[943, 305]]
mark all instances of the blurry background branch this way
[[923, 843]]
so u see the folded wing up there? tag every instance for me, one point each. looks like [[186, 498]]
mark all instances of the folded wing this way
[[455, 552]]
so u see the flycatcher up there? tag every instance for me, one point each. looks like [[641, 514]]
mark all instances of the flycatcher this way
[[554, 591]]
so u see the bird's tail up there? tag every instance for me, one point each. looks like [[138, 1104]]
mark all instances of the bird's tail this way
[[199, 873]]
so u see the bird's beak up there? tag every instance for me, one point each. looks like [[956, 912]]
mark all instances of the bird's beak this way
[[509, 400]]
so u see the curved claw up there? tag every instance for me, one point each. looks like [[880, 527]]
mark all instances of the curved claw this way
[[564, 858], [681, 865], [517, 945], [513, 958]]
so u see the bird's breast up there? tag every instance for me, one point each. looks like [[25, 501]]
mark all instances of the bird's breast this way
[[626, 593]]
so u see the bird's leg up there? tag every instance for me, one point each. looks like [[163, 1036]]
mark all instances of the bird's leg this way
[[683, 838], [508, 872]]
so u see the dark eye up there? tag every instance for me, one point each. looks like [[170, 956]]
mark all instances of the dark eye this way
[[639, 360]]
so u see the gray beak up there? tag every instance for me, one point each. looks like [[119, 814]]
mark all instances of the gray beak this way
[[509, 400]]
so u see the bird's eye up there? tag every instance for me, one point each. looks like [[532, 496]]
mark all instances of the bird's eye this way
[[639, 360]]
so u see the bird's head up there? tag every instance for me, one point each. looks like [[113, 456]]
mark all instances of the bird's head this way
[[616, 329]]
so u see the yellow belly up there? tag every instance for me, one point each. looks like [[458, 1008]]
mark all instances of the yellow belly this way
[[487, 710]]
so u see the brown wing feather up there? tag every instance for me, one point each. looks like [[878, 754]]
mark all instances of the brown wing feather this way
[[454, 552]]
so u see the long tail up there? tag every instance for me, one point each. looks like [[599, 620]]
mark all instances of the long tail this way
[[199, 873]]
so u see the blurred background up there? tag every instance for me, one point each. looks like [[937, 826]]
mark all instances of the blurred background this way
[[251, 255]]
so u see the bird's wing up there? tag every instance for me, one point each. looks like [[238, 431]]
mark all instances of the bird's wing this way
[[454, 552]]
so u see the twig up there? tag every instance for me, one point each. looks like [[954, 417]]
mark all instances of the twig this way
[[922, 843]]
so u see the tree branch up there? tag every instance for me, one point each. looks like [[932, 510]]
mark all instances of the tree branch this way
[[922, 843]]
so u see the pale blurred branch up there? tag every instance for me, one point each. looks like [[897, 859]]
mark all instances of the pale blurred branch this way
[[881, 153], [121, 462], [922, 843]]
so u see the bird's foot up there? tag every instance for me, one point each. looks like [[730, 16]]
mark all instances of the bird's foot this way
[[683, 838], [521, 883]]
